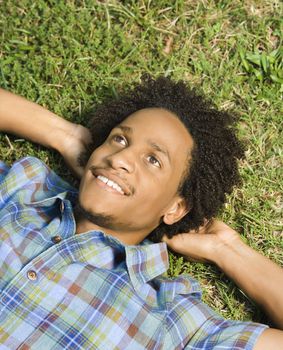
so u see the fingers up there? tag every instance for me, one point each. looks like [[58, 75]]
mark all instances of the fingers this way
[[85, 135], [79, 172]]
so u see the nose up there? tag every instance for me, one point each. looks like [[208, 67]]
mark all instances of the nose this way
[[124, 159]]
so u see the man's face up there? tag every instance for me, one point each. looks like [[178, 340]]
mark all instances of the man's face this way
[[133, 177]]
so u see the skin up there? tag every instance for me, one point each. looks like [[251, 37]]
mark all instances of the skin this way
[[149, 163], [216, 242]]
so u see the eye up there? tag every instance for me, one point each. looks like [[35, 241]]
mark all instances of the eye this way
[[120, 139], [154, 161]]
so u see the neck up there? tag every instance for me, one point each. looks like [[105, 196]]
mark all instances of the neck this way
[[126, 237]]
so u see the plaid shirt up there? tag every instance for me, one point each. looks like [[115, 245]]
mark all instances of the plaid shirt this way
[[59, 290]]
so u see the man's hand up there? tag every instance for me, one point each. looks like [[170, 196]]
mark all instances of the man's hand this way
[[75, 141], [203, 245], [260, 278], [21, 117]]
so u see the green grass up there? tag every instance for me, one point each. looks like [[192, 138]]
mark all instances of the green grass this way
[[68, 55]]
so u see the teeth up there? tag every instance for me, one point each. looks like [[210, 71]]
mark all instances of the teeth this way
[[110, 183], [102, 178]]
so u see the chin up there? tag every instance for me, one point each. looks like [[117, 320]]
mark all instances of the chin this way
[[99, 219]]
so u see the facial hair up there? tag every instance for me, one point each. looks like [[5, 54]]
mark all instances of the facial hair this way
[[101, 220]]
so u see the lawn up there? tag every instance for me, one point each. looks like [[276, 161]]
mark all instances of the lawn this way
[[69, 55]]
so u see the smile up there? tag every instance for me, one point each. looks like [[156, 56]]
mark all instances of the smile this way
[[111, 184]]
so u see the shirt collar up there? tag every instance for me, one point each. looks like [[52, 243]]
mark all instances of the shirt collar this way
[[144, 262]]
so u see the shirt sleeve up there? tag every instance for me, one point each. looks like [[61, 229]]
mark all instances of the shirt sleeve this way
[[192, 324], [17, 177], [30, 180], [218, 333]]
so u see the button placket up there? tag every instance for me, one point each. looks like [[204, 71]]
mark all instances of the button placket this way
[[57, 238]]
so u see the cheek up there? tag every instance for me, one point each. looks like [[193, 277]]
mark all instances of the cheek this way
[[97, 155], [155, 195], [84, 187]]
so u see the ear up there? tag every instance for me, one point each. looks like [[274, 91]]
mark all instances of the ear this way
[[176, 211]]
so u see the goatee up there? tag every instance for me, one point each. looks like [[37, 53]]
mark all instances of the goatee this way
[[104, 221]]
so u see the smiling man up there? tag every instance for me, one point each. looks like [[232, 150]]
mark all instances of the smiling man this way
[[77, 270], [123, 186]]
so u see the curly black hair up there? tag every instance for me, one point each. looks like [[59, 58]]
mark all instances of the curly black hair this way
[[213, 168]]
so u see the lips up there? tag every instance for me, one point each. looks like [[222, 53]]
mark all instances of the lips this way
[[112, 180]]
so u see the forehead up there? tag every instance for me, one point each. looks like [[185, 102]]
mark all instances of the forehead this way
[[159, 126]]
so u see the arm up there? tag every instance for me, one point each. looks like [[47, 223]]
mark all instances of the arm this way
[[31, 121], [257, 276]]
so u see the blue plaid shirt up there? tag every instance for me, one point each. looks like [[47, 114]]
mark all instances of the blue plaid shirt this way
[[61, 290]]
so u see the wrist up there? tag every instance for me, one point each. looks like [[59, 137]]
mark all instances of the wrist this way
[[227, 247], [61, 130]]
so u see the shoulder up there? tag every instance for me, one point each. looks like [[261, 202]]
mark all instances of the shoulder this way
[[23, 165], [30, 174], [22, 170]]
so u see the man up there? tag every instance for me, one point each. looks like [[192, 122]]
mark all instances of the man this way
[[161, 162]]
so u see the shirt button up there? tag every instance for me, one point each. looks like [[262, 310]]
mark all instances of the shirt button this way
[[62, 206], [56, 239], [32, 275]]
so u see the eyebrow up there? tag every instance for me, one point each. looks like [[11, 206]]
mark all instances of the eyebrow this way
[[159, 149], [151, 143], [124, 128]]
